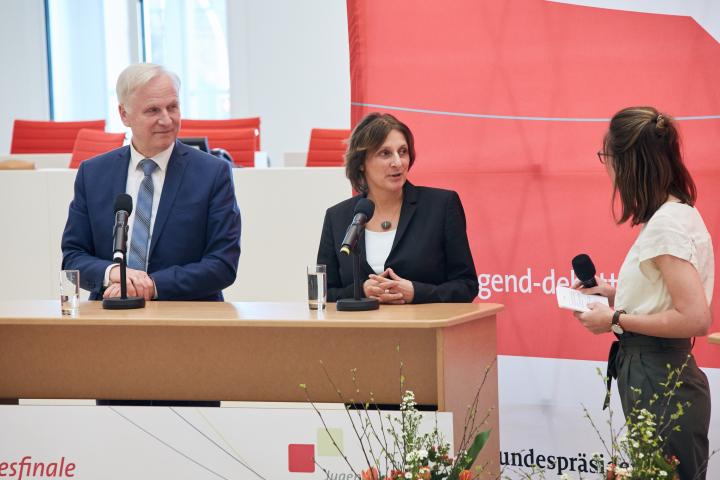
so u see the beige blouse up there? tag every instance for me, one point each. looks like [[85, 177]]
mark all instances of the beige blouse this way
[[675, 229]]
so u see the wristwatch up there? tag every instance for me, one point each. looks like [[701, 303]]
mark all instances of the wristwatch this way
[[615, 325]]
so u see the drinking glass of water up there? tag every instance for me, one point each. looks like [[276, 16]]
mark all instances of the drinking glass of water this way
[[69, 291], [317, 286]]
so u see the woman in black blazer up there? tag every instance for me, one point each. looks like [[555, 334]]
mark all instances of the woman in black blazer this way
[[415, 248]]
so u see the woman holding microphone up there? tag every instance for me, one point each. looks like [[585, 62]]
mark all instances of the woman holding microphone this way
[[665, 283]]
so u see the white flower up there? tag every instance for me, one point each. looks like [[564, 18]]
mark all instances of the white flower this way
[[408, 475], [663, 473], [422, 453]]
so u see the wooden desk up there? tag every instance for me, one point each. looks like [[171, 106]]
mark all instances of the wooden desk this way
[[714, 338], [253, 352]]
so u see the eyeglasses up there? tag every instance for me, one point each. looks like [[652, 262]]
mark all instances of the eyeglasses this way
[[601, 156]]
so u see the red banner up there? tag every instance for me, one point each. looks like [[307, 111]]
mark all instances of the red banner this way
[[509, 102]]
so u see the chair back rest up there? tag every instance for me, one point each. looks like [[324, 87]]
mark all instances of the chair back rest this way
[[327, 147], [32, 136], [229, 123], [241, 143], [91, 143]]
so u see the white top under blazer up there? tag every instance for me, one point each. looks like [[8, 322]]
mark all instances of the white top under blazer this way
[[377, 248]]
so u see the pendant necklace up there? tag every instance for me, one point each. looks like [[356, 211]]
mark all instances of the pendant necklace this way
[[387, 224]]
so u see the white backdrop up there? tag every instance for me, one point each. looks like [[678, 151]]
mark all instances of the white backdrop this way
[[282, 212], [119, 443]]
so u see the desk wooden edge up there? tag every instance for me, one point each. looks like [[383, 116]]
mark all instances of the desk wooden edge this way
[[489, 310]]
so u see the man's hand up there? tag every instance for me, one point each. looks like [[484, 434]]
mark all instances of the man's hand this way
[[139, 284]]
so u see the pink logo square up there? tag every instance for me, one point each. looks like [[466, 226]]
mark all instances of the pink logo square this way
[[301, 457]]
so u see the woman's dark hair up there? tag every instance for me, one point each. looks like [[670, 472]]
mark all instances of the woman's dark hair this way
[[366, 139], [643, 147]]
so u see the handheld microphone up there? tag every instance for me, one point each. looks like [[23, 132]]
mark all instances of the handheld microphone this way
[[585, 270], [364, 211], [123, 209]]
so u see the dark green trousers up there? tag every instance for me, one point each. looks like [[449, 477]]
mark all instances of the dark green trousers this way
[[641, 362]]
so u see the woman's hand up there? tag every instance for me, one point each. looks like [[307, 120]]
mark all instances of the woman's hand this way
[[603, 288], [599, 319], [388, 287], [379, 286]]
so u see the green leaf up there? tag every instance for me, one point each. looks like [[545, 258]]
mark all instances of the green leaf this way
[[474, 450]]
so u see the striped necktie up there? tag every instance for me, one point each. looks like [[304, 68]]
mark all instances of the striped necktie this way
[[140, 240]]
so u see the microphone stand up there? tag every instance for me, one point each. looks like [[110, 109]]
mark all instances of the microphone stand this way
[[123, 302], [358, 303]]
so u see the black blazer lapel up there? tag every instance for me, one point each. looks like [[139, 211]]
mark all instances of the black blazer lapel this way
[[173, 179], [365, 268], [406, 214]]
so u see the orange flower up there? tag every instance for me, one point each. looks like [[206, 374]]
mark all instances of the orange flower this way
[[465, 475], [424, 473], [371, 474]]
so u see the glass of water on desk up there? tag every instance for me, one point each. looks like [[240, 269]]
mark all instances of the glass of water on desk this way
[[70, 292], [317, 286]]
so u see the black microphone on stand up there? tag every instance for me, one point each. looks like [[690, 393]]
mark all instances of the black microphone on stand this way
[[363, 212], [123, 209], [584, 270]]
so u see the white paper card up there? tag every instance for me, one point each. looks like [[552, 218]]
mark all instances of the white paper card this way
[[576, 300]]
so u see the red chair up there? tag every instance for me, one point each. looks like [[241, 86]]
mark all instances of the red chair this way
[[31, 136], [241, 143], [230, 123], [327, 147], [90, 143]]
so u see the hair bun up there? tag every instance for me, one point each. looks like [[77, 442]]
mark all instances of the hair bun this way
[[661, 124]]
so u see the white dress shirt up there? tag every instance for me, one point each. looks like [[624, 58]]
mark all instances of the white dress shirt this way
[[134, 179]]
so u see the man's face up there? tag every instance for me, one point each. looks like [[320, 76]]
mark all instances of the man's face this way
[[153, 114]]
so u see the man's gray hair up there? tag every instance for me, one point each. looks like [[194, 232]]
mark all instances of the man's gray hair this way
[[137, 75]]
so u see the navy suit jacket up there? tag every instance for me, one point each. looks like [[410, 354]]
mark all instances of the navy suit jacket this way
[[195, 245], [430, 249]]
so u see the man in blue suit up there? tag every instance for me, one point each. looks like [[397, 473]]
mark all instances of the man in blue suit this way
[[184, 235]]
